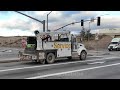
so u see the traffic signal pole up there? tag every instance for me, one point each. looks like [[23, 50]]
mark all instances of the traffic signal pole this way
[[43, 22], [43, 25]]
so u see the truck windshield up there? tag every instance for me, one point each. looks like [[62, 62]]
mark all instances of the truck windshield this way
[[31, 43], [114, 42], [64, 39]]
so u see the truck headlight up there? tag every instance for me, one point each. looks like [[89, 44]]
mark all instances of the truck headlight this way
[[116, 46]]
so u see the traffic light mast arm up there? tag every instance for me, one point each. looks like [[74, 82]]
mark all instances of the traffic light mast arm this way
[[71, 24], [63, 26], [43, 22], [29, 17]]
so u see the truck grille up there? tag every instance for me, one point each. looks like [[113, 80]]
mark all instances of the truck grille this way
[[111, 47]]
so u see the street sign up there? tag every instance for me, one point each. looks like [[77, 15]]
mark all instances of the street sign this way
[[96, 36]]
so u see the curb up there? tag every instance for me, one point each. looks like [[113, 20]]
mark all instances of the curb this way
[[18, 60], [11, 60], [90, 55], [8, 61]]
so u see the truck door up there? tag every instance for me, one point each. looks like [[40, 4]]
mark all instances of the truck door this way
[[74, 44]]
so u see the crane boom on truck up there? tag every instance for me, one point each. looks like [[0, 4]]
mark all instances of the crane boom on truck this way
[[45, 47]]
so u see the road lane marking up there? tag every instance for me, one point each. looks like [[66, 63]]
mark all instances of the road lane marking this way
[[13, 69], [73, 71], [96, 63], [95, 56]]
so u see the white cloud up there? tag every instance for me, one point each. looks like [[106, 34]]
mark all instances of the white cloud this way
[[15, 32], [41, 13], [18, 23]]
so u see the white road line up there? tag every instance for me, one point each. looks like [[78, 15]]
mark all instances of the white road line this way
[[13, 69], [96, 63], [79, 70], [95, 56]]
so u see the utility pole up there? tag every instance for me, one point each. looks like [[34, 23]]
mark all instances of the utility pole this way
[[83, 33], [43, 22]]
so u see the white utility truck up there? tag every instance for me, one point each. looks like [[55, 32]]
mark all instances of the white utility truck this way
[[46, 47], [114, 45]]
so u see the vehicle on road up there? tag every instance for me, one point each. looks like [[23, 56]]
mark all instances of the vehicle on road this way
[[114, 45], [45, 47]]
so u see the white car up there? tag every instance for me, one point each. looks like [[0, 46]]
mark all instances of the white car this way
[[114, 45]]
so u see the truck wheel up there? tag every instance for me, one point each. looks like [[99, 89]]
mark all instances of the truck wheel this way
[[70, 58], [42, 61], [117, 49], [50, 58], [83, 55]]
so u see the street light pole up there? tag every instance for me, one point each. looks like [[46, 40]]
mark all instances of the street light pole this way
[[43, 22], [47, 20]]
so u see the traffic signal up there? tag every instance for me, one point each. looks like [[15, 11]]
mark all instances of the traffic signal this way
[[82, 22], [98, 21]]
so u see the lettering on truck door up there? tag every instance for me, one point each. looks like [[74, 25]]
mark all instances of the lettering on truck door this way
[[64, 48]]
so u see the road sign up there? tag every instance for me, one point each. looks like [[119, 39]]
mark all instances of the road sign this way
[[96, 36]]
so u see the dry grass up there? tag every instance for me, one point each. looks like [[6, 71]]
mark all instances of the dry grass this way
[[10, 41], [102, 43], [92, 44]]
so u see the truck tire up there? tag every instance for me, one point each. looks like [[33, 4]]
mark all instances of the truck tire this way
[[83, 55], [42, 61], [50, 58], [69, 58], [109, 49], [117, 49]]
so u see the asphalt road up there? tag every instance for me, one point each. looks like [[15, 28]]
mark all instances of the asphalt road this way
[[92, 68]]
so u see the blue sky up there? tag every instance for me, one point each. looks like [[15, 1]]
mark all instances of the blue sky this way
[[13, 24]]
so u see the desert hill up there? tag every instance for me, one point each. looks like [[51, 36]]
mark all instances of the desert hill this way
[[15, 41]]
